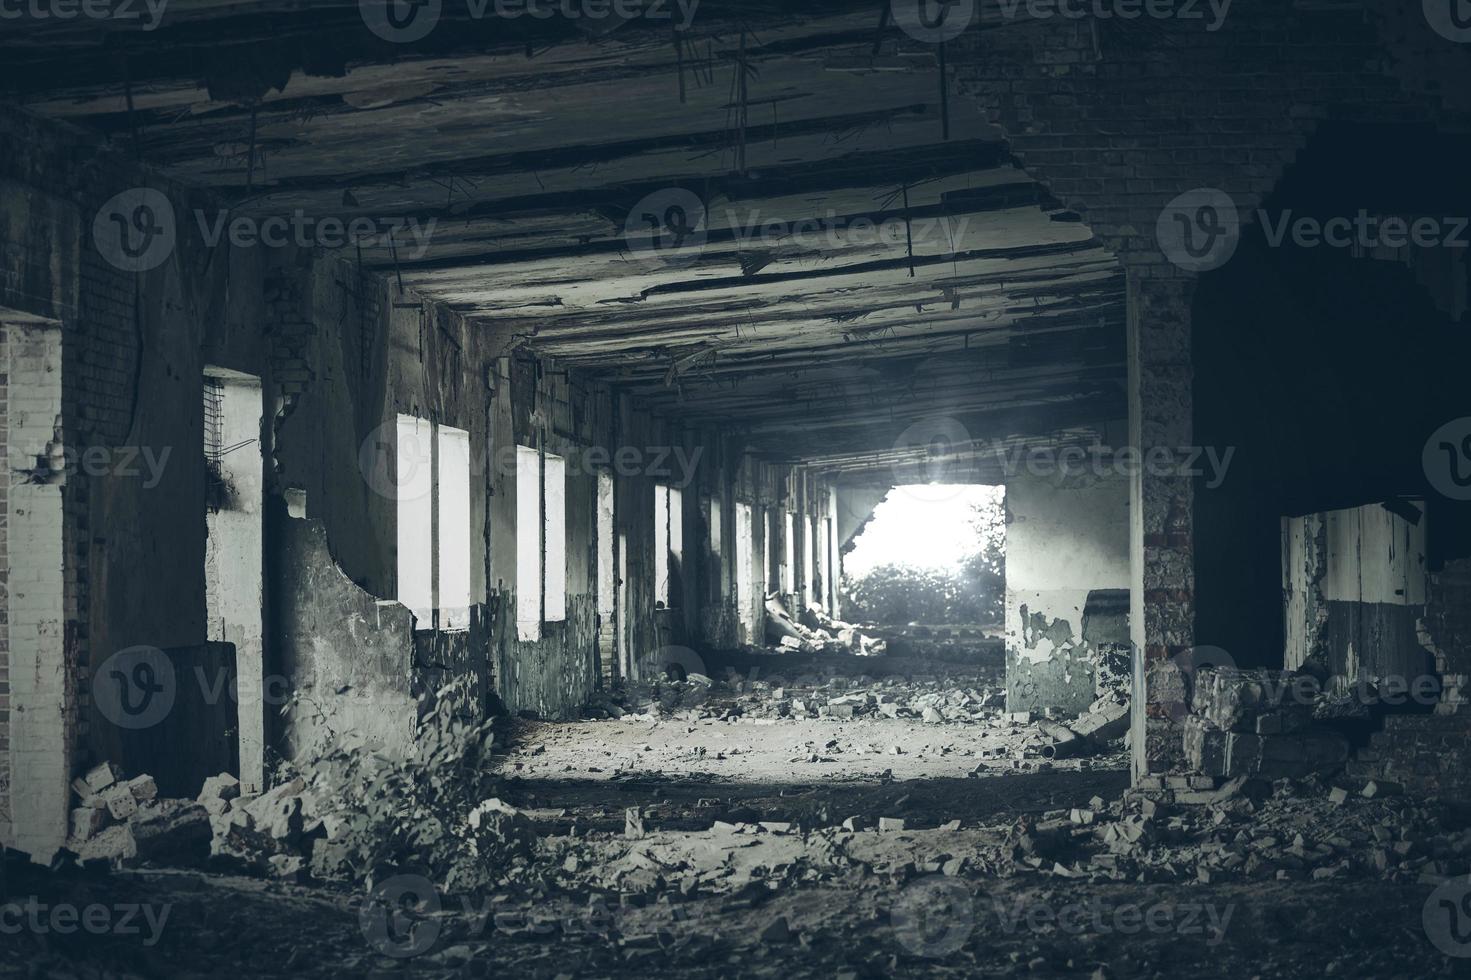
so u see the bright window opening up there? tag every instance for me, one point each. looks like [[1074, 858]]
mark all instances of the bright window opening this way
[[745, 567], [930, 554], [555, 472], [415, 485], [454, 528], [605, 545], [541, 541], [528, 543], [809, 571], [668, 543], [789, 554]]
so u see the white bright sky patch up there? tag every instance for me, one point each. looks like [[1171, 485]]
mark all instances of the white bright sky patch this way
[[925, 526]]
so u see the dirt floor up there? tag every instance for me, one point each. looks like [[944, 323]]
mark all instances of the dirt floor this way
[[726, 834]]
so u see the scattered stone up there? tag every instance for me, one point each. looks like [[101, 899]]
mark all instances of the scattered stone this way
[[103, 776]]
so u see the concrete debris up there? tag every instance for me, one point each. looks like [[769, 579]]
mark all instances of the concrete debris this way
[[818, 633], [1247, 722], [126, 824]]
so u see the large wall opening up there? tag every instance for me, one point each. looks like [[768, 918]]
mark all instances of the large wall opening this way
[[930, 554]]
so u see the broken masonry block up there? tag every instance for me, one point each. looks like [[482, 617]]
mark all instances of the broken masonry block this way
[[633, 823], [891, 823], [102, 776], [176, 833], [113, 844], [1106, 719], [1375, 788], [85, 793], [87, 821], [222, 787], [120, 801], [143, 788], [1205, 747], [1233, 699]]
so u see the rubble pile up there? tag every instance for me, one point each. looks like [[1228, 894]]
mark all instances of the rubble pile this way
[[352, 814], [1251, 829], [818, 633], [123, 821], [1251, 722]]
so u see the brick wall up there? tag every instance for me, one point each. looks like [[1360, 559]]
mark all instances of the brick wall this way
[[41, 676], [1116, 118]]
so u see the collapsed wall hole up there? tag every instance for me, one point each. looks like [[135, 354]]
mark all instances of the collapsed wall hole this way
[[931, 554]]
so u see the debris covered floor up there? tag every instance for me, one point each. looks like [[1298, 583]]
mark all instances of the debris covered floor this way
[[440, 442], [735, 826]]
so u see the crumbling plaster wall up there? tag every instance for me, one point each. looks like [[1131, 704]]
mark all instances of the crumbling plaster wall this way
[[1065, 537], [1355, 588], [130, 553], [538, 405]]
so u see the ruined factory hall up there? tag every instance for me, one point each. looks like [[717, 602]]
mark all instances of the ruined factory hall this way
[[843, 489]]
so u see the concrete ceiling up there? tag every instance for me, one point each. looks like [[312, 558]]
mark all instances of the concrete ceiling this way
[[932, 277]]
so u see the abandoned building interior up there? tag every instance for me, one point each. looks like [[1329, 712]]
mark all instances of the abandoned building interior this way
[[441, 439]]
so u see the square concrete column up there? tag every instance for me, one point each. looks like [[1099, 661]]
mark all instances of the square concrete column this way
[[1162, 555]]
